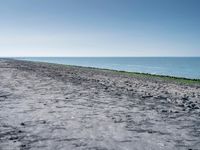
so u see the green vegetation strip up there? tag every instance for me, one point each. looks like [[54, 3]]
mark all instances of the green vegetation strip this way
[[161, 77]]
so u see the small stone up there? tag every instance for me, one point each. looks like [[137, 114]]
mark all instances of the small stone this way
[[23, 145], [164, 111], [185, 98], [176, 111], [181, 105], [13, 138], [22, 124], [118, 94], [190, 102], [193, 105], [106, 88], [19, 131]]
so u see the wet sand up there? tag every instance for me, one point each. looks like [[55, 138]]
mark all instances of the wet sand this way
[[56, 107]]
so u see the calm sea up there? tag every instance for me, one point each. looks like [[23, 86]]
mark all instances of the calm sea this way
[[188, 67]]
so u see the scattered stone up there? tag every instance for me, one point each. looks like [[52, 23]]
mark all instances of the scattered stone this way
[[176, 111], [185, 97], [160, 97], [130, 90], [166, 92], [22, 124], [193, 105], [190, 102], [147, 96], [118, 94], [193, 94], [23, 145], [181, 105], [19, 131], [106, 88], [164, 111], [13, 138]]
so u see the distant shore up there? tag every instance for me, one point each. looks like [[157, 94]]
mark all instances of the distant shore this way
[[181, 80], [185, 67], [52, 106]]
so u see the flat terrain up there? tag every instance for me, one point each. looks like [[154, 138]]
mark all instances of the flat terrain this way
[[56, 107]]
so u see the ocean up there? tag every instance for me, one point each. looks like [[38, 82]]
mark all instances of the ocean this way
[[187, 67]]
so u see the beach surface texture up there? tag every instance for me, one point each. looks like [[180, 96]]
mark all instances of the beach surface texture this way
[[57, 107]]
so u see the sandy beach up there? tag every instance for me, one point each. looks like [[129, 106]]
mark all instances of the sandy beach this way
[[55, 107]]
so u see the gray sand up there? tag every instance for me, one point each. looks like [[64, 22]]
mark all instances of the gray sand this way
[[54, 107]]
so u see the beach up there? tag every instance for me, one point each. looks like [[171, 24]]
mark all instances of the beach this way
[[59, 107]]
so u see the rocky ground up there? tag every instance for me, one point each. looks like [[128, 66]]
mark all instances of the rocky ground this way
[[56, 107]]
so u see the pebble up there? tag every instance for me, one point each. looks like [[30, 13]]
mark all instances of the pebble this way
[[23, 145], [13, 138], [181, 105], [44, 122], [193, 105], [176, 111], [19, 131], [22, 124], [164, 111]]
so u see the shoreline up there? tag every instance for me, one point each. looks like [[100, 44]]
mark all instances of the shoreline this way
[[182, 80], [52, 106]]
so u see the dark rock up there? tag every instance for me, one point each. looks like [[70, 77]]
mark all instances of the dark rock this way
[[164, 111], [22, 124], [13, 138], [176, 111], [196, 107], [130, 89], [193, 105], [23, 145], [181, 105], [185, 98], [161, 97], [147, 96], [118, 94], [19, 131], [106, 88], [183, 109], [190, 102]]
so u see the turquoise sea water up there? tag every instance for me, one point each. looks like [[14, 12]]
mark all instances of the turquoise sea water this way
[[188, 67]]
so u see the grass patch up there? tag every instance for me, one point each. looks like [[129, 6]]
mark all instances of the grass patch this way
[[161, 77]]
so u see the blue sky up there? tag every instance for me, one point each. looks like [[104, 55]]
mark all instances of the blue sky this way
[[99, 28]]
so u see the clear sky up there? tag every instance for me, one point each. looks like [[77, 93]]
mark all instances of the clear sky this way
[[99, 27]]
